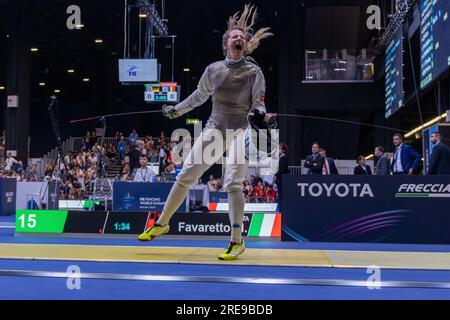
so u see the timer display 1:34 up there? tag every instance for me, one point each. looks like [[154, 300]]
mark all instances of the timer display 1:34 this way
[[122, 226]]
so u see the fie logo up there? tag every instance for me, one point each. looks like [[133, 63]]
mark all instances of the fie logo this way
[[73, 278]]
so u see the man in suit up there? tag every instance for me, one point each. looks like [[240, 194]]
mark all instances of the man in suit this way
[[314, 162], [406, 159], [135, 155], [382, 164], [329, 167], [362, 169], [440, 157], [283, 168]]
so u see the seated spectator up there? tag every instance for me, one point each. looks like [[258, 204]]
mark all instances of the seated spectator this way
[[252, 195], [211, 185], [260, 192], [270, 194], [9, 162], [125, 169], [162, 137], [170, 168]]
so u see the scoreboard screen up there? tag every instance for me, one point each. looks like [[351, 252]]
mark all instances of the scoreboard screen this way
[[434, 40], [394, 74], [162, 92]]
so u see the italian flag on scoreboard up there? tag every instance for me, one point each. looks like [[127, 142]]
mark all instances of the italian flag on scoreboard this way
[[265, 225]]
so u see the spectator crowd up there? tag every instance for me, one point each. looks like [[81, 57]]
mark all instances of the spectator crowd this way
[[78, 171]]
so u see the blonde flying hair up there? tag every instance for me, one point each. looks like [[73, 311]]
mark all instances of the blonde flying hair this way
[[245, 23]]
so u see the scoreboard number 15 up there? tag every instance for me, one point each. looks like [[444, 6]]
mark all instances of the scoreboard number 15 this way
[[30, 221]]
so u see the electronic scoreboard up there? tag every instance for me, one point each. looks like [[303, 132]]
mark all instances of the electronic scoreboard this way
[[434, 40], [394, 94], [162, 92]]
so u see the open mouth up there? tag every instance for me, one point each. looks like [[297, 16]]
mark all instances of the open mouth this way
[[239, 46]]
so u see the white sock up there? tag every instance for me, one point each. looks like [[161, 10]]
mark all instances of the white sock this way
[[236, 212], [174, 201]]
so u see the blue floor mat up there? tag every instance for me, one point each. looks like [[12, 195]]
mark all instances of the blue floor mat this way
[[40, 288], [230, 271]]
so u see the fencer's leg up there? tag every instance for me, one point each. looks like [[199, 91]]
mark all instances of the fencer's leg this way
[[234, 176], [236, 205], [189, 175], [175, 199], [235, 171]]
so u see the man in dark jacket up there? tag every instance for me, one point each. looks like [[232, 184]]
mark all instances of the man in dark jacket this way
[[135, 155], [314, 162], [440, 157], [283, 168], [406, 159], [329, 167], [362, 169], [382, 164]]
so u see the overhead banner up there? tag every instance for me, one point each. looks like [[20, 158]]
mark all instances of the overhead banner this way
[[142, 197], [391, 209]]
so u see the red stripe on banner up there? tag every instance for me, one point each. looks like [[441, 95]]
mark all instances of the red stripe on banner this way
[[276, 230], [212, 206]]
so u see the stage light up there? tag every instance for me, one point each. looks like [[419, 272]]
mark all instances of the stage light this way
[[79, 26], [187, 70], [86, 79], [42, 84], [426, 125], [71, 71], [57, 91], [2, 88], [142, 15], [34, 49], [98, 41]]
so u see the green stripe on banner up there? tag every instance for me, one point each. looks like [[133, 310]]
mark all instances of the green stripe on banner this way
[[414, 195], [255, 225], [31, 221]]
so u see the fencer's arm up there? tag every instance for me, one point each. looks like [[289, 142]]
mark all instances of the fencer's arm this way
[[198, 97], [259, 92]]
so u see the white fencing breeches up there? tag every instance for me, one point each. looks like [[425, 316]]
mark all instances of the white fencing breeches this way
[[199, 160]]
